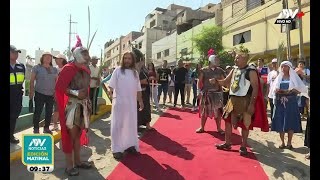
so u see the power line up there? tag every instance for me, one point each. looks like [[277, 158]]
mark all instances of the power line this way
[[246, 13], [249, 15], [226, 20]]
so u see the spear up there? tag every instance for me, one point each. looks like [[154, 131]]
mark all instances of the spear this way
[[89, 26]]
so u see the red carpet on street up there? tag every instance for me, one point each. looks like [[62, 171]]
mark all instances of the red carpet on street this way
[[176, 152]]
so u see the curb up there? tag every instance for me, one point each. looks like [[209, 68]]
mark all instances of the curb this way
[[57, 136]]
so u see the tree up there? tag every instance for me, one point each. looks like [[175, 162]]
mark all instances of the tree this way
[[211, 37]]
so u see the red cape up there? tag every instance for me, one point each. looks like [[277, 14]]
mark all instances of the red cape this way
[[260, 118], [66, 75]]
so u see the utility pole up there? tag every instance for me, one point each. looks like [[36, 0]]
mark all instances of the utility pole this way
[[70, 32], [101, 62], [286, 6], [301, 49]]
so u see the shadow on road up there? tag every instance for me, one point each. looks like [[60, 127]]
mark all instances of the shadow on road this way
[[281, 162], [149, 168], [169, 115], [163, 143]]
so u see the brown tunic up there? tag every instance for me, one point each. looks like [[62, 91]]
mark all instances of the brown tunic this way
[[209, 74], [80, 81], [211, 102]]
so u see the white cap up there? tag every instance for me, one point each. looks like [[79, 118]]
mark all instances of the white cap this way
[[227, 67], [60, 56], [212, 59], [46, 53], [274, 60]]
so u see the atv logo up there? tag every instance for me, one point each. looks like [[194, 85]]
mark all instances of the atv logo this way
[[287, 16]]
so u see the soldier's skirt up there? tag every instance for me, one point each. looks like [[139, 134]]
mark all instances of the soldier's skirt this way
[[211, 104]]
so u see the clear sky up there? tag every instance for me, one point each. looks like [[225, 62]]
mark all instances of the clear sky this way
[[45, 23]]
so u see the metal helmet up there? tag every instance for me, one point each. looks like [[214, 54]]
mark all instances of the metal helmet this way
[[77, 54]]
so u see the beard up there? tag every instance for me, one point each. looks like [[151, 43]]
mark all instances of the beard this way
[[127, 65]]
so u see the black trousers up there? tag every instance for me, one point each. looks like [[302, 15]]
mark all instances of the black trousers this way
[[179, 87], [271, 107], [41, 100], [95, 98], [195, 97], [15, 108], [144, 116]]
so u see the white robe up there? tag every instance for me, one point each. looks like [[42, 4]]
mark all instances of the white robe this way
[[124, 125]]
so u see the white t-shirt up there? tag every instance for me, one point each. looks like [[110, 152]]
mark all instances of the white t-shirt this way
[[171, 81], [271, 77], [94, 73]]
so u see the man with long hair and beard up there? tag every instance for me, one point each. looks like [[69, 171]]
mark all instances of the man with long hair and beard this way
[[125, 91], [72, 95]]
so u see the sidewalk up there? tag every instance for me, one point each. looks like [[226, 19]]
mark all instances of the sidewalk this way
[[15, 149]]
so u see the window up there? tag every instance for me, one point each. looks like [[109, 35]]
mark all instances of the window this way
[[129, 42], [209, 7], [165, 22], [184, 51], [140, 45], [294, 25], [242, 38], [152, 23], [158, 55], [123, 46], [166, 53], [117, 47], [251, 4], [182, 14]]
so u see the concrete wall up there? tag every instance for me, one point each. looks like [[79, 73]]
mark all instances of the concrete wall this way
[[129, 38], [184, 40], [38, 54], [190, 14], [168, 42], [149, 37], [265, 35], [113, 53], [22, 56]]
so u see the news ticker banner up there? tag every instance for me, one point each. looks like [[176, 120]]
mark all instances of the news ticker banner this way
[[38, 152]]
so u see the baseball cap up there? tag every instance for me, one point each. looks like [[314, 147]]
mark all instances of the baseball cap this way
[[227, 67], [274, 60], [14, 49], [60, 56], [94, 58]]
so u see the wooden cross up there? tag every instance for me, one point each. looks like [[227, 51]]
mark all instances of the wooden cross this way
[[152, 84]]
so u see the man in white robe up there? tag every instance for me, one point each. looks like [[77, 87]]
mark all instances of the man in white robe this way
[[125, 91]]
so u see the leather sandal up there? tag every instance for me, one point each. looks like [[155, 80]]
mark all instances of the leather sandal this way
[[289, 147], [132, 150], [223, 146], [118, 156], [282, 146], [243, 151], [72, 172], [200, 130]]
